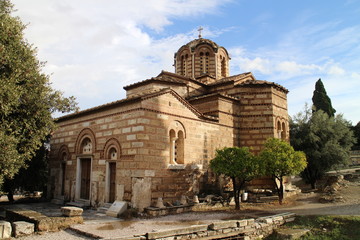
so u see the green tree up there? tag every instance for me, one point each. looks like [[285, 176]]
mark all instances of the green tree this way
[[237, 163], [279, 160], [321, 100], [27, 99], [325, 140]]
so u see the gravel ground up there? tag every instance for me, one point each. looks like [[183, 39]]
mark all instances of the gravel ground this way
[[303, 204], [62, 235]]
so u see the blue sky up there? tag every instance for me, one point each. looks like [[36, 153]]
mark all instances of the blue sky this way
[[94, 48]]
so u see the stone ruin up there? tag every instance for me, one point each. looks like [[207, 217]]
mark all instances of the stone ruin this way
[[22, 222]]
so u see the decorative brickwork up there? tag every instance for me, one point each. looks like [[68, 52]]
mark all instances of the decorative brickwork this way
[[159, 140]]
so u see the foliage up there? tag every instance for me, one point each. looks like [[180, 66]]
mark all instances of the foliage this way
[[356, 130], [27, 99], [32, 178], [280, 160], [237, 163], [321, 100], [326, 227], [325, 140]]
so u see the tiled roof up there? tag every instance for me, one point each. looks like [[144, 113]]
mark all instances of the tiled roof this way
[[148, 94], [110, 104], [180, 76], [232, 78], [263, 82], [212, 94], [159, 79]]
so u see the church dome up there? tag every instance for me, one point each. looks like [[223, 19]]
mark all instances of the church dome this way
[[194, 43], [202, 57]]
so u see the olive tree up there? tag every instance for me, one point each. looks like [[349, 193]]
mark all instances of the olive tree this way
[[27, 99], [325, 140]]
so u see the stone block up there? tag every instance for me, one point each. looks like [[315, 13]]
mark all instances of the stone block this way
[[223, 224], [278, 218], [117, 208], [5, 229], [179, 231], [71, 211], [243, 223], [267, 220], [22, 228]]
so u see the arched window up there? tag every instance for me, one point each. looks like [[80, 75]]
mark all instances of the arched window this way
[[281, 130], [206, 63], [177, 137], [64, 157], [112, 154], [184, 64], [86, 146]]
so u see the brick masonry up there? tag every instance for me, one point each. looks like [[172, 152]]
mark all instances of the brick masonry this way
[[159, 140]]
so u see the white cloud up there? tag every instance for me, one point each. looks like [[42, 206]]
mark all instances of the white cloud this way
[[257, 64], [336, 70], [95, 48]]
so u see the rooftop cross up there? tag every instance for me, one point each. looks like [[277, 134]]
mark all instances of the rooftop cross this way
[[200, 29]]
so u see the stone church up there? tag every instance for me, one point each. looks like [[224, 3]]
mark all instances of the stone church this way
[[158, 141]]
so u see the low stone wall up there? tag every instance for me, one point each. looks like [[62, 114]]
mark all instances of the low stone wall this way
[[156, 212], [247, 229], [42, 222]]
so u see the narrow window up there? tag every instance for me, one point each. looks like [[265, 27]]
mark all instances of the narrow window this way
[[279, 129], [180, 148], [223, 67], [173, 139]]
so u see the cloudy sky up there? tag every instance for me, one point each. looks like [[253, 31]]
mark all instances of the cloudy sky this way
[[93, 48]]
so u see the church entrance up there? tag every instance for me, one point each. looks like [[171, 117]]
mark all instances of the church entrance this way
[[85, 165], [112, 181]]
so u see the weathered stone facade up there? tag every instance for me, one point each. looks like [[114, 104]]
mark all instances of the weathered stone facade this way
[[158, 141]]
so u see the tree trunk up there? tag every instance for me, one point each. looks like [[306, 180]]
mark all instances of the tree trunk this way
[[313, 184], [236, 194], [10, 196], [9, 188], [281, 191]]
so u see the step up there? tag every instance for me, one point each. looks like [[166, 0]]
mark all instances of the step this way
[[104, 208], [80, 204]]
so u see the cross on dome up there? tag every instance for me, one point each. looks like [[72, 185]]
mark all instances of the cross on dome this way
[[200, 29]]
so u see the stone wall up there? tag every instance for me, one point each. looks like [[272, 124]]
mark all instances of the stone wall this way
[[141, 137]]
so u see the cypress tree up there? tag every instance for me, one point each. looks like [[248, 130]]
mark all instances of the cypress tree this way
[[321, 100]]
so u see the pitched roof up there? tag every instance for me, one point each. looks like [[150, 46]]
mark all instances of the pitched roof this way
[[155, 79], [237, 78], [149, 94]]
